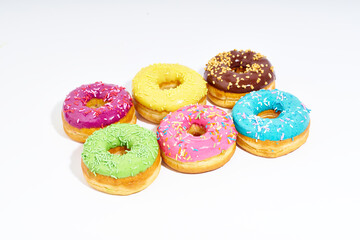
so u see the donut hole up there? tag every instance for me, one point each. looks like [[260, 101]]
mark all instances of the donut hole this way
[[95, 103], [239, 69], [269, 114], [169, 84], [121, 150], [196, 130]]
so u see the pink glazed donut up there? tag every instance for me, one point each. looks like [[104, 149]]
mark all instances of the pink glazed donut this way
[[197, 138], [91, 107]]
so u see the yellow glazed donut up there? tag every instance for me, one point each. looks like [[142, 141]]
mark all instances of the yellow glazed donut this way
[[162, 88]]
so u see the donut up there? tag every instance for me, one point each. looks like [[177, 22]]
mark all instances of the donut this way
[[121, 159], [162, 88], [231, 75], [197, 138], [271, 123], [91, 107]]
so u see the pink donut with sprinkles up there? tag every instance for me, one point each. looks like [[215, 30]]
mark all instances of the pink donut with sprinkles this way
[[94, 106], [197, 138]]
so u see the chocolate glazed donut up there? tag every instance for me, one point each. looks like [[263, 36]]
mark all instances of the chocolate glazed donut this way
[[230, 75]]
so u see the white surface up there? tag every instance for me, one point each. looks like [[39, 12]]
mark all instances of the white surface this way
[[49, 48]]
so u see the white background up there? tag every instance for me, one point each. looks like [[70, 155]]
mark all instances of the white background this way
[[49, 48]]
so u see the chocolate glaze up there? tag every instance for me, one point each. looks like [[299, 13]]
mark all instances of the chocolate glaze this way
[[221, 73]]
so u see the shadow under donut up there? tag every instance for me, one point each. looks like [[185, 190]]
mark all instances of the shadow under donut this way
[[75, 164], [56, 120]]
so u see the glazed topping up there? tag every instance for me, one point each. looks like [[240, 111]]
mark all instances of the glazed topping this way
[[117, 104], [293, 118], [239, 71], [178, 144], [142, 145], [147, 87]]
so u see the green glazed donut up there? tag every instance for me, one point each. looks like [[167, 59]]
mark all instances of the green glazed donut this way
[[108, 172]]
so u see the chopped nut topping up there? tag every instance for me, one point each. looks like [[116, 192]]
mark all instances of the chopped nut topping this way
[[257, 56]]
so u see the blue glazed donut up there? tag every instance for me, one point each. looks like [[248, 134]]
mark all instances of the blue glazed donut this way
[[284, 130]]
